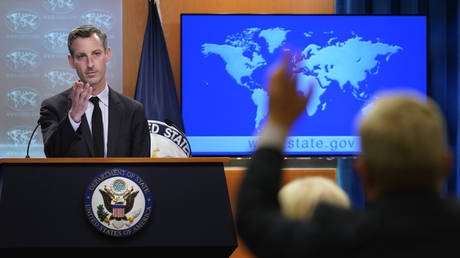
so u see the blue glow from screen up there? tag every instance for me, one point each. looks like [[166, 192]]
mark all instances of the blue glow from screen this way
[[350, 58]]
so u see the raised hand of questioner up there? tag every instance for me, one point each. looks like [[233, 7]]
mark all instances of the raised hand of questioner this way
[[286, 103], [81, 92]]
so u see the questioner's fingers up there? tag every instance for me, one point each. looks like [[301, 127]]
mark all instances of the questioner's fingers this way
[[286, 102], [278, 81], [284, 76], [289, 75], [284, 81]]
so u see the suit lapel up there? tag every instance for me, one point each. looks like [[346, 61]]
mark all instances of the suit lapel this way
[[114, 122]]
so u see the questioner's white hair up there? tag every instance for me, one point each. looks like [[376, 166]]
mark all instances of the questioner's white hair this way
[[299, 198], [403, 141]]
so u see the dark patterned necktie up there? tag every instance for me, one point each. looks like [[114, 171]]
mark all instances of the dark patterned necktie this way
[[97, 129]]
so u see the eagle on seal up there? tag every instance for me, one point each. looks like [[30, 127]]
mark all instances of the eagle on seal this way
[[117, 206]]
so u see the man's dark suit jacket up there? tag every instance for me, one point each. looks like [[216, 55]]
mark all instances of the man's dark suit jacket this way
[[128, 132], [411, 224]]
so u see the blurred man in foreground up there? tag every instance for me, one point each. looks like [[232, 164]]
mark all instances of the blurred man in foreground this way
[[403, 164]]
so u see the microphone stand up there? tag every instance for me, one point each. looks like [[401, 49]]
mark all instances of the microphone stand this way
[[30, 139]]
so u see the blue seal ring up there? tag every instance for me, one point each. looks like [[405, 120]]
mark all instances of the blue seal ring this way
[[121, 209]]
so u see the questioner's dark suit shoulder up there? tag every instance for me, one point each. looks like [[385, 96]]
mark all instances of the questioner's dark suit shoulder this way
[[397, 225], [128, 133]]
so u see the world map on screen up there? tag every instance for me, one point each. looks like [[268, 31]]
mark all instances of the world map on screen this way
[[343, 62]]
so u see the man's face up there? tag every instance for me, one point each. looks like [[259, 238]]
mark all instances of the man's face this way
[[89, 60]]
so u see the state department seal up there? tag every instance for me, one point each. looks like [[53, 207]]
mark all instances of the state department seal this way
[[118, 202]]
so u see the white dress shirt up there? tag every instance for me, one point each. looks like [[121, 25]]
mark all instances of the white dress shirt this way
[[104, 106]]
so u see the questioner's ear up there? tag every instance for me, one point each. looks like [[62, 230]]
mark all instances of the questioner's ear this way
[[447, 164], [367, 180], [71, 63], [360, 168]]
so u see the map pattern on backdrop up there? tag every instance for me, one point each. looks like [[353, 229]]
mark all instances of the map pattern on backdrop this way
[[33, 61]]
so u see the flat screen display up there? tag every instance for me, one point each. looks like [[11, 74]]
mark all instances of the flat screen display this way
[[225, 61]]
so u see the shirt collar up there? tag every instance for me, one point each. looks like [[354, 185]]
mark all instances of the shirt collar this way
[[104, 96]]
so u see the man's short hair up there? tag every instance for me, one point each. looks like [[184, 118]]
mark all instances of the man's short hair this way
[[86, 31], [299, 198], [403, 141]]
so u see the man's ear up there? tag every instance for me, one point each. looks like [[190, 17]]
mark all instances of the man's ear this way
[[71, 63], [108, 54]]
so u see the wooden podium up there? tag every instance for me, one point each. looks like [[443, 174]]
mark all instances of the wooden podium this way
[[42, 205]]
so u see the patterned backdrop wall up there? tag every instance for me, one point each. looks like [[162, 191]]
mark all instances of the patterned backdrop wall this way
[[33, 61]]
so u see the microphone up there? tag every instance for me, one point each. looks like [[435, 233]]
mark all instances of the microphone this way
[[30, 139]]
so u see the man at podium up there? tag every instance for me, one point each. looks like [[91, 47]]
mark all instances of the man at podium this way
[[91, 119]]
